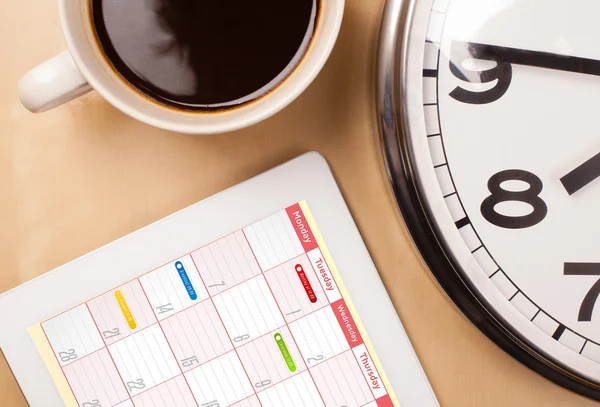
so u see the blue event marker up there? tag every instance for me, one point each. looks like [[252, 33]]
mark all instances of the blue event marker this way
[[185, 279]]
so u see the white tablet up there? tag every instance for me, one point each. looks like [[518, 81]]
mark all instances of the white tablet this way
[[262, 295]]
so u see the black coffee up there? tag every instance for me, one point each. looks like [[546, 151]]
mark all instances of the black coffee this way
[[204, 54]]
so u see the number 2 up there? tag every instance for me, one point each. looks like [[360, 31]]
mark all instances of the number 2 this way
[[318, 358], [262, 383]]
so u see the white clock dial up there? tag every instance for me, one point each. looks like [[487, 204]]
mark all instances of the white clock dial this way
[[501, 103]]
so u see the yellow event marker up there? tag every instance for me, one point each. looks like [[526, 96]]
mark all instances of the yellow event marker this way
[[125, 309]]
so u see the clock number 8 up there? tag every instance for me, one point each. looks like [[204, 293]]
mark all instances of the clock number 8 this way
[[529, 196]]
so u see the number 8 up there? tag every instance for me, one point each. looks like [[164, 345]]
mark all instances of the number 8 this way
[[241, 338], [529, 196]]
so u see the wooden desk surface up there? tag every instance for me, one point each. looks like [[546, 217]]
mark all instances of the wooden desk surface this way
[[85, 174]]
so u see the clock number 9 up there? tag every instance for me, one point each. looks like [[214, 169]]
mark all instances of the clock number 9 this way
[[502, 72], [529, 196]]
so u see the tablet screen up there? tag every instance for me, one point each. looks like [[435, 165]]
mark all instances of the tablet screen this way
[[257, 318]]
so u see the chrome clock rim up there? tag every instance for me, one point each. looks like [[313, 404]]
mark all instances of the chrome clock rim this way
[[399, 34]]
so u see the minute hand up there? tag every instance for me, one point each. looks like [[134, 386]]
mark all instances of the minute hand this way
[[538, 59]]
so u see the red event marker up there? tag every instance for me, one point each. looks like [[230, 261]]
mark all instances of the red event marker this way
[[305, 283]]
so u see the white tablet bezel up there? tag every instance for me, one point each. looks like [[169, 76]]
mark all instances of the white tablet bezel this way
[[305, 178]]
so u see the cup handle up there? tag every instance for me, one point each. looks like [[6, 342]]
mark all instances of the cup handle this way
[[51, 84]]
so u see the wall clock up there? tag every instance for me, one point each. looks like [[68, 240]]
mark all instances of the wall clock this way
[[489, 113]]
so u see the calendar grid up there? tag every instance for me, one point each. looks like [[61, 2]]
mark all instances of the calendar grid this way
[[162, 330], [56, 357], [353, 355], [314, 271], [279, 308], [211, 324], [105, 347], [256, 339], [112, 358], [238, 356], [149, 326]]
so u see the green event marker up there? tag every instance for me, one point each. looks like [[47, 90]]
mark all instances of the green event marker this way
[[285, 352]]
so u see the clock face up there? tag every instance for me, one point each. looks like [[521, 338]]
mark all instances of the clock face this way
[[502, 105]]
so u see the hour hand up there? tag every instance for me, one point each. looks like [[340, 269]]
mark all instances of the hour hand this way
[[582, 175]]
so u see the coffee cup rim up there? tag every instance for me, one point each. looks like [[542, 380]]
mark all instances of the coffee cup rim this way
[[206, 122]]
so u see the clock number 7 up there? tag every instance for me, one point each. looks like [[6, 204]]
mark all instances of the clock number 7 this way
[[585, 269]]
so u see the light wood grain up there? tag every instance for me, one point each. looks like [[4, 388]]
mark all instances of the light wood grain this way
[[83, 175]]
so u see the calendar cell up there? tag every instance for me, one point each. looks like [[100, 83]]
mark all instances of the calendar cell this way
[[273, 240], [271, 359], [126, 403], [196, 335], [226, 263], [121, 312], [95, 380], [290, 291], [173, 393], [319, 336], [298, 391], [248, 310], [73, 335], [144, 359], [174, 287], [340, 382], [220, 382]]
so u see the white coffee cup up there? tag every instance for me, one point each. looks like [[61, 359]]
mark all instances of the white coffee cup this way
[[83, 68]]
